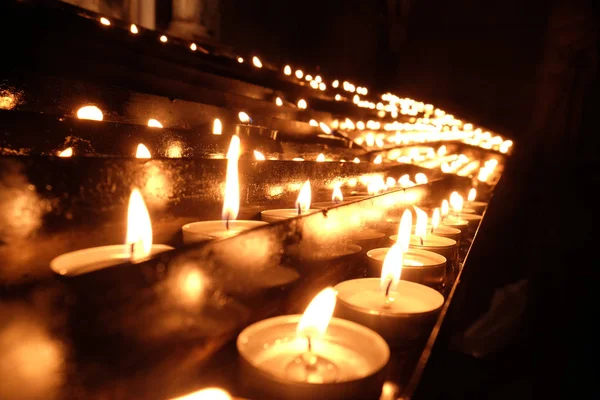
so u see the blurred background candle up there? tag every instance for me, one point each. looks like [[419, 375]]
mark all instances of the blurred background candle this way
[[451, 221], [312, 356], [478, 206], [138, 245], [422, 240], [402, 312], [229, 226], [302, 207]]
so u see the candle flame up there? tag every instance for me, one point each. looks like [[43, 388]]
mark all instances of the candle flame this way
[[313, 122], [68, 152], [256, 62], [337, 196], [325, 128], [435, 218], [321, 157], [244, 118], [193, 47], [90, 112], [304, 198], [390, 182], [258, 155], [456, 202], [378, 159], [163, 39], [278, 102], [356, 160], [316, 318], [206, 394], [421, 178], [287, 70], [105, 21], [335, 83], [391, 270], [217, 127], [302, 104], [139, 227], [134, 29], [153, 123], [442, 150], [299, 74], [231, 204], [404, 230], [421, 224], [472, 195], [240, 60], [142, 152], [445, 208]]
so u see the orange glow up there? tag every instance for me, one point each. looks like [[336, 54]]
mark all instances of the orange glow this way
[[217, 127], [325, 128], [404, 230], [68, 152], [206, 394], [445, 208], [321, 157], [421, 178], [256, 62], [302, 104], [244, 118], [90, 112], [421, 224], [175, 151], [378, 159], [142, 152], [163, 39], [456, 202], [391, 271], [105, 21], [231, 204], [316, 318], [304, 198], [153, 123], [133, 29], [356, 160], [287, 70], [435, 218], [139, 227], [472, 195], [259, 156], [337, 196]]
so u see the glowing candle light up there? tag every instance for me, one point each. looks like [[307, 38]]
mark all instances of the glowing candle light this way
[[91, 113], [206, 394], [134, 29], [164, 39], [299, 74], [335, 83], [421, 178], [321, 157], [287, 70], [302, 207], [243, 117], [259, 156], [217, 128], [154, 123], [256, 62], [378, 159], [105, 21], [193, 47], [302, 104], [325, 128], [68, 152], [313, 122], [142, 152], [240, 60], [278, 102]]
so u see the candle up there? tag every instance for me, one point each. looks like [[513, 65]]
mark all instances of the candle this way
[[478, 206], [402, 312], [337, 198], [229, 226], [439, 230], [302, 207], [423, 240], [138, 245], [451, 221], [367, 238], [312, 356], [206, 394]]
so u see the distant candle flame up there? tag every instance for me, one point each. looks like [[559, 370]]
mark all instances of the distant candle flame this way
[[421, 223], [90, 112], [139, 227], [335, 83], [244, 118], [278, 102], [217, 127], [456, 202], [445, 208], [321, 157], [68, 152], [153, 123], [302, 104], [338, 97], [142, 152], [231, 204], [325, 128], [356, 160], [193, 47], [256, 62], [442, 151], [322, 86], [421, 178], [304, 198], [378, 159], [316, 318], [390, 182], [313, 122], [404, 230], [105, 21], [287, 70], [435, 218], [134, 29], [391, 271], [240, 60], [259, 156], [308, 77], [299, 74], [337, 196], [206, 394], [163, 39], [472, 195]]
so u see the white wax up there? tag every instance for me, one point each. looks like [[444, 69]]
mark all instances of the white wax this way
[[207, 230], [470, 217], [454, 222], [432, 241], [95, 258], [365, 234], [410, 298], [411, 258], [282, 213]]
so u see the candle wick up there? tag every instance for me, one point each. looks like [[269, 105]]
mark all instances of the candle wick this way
[[227, 222], [387, 289], [421, 239], [299, 208], [132, 252], [309, 344]]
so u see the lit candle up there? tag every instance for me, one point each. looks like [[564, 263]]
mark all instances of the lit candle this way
[[478, 206], [138, 245], [423, 240], [302, 207], [452, 222], [206, 394], [312, 356], [402, 312], [456, 201], [229, 226]]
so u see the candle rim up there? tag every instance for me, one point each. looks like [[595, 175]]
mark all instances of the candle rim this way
[[442, 239], [201, 227], [438, 259]]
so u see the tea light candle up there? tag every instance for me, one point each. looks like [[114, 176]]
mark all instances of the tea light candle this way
[[402, 312], [367, 238], [419, 266], [452, 221], [312, 356], [422, 240], [138, 245], [337, 198], [478, 206], [302, 207]]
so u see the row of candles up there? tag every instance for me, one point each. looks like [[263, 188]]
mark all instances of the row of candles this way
[[316, 355]]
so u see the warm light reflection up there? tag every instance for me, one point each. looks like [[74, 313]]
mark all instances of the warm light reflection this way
[[259, 156], [337, 196], [391, 271], [304, 198], [217, 128], [206, 394], [321, 157], [287, 70], [325, 128], [142, 152], [105, 21], [90, 112], [378, 159], [68, 152], [302, 104], [421, 178], [163, 39], [316, 318], [256, 62], [356, 160], [404, 230], [278, 102], [435, 218], [175, 150], [472, 195], [243, 117], [231, 204], [133, 29], [153, 123], [421, 223], [139, 227]]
